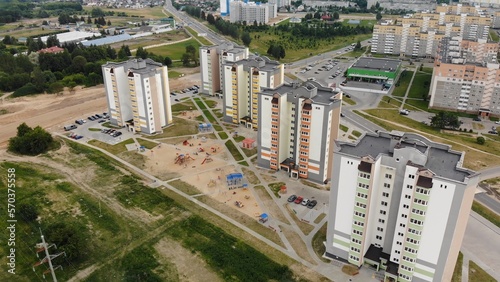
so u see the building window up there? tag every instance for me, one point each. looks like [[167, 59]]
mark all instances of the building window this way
[[411, 176], [387, 185], [378, 237], [409, 186], [380, 229], [385, 194], [388, 176], [383, 203], [383, 212]]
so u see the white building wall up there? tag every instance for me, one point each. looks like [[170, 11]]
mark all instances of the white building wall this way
[[265, 111], [109, 90], [165, 99], [204, 70], [242, 80], [436, 219], [375, 215], [227, 87], [284, 130], [123, 94], [346, 194], [316, 132], [372, 208], [263, 79]]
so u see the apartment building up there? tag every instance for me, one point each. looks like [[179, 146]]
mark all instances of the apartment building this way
[[138, 95], [496, 20], [280, 3], [251, 12], [466, 77], [211, 60], [399, 203], [290, 116], [419, 34], [242, 81], [225, 7]]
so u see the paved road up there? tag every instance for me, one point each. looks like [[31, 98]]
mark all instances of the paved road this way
[[488, 201]]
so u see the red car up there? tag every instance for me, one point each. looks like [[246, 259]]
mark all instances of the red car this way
[[299, 200]]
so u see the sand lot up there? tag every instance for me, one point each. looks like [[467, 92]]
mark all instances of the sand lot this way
[[209, 177]]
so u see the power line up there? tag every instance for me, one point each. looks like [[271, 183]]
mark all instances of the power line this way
[[40, 247]]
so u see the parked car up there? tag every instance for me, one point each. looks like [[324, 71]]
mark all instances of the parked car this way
[[404, 112], [90, 118], [492, 132], [312, 204], [292, 198], [476, 119], [79, 121], [78, 137], [298, 200], [497, 122], [101, 121], [305, 202], [70, 127], [342, 115]]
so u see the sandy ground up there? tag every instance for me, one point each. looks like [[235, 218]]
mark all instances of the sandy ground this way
[[50, 111], [209, 177], [191, 77]]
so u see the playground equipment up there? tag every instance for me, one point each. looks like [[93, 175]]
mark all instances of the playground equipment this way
[[142, 148], [201, 150], [235, 180], [214, 150], [205, 127], [203, 139], [207, 159], [239, 204], [263, 218], [180, 159], [185, 143]]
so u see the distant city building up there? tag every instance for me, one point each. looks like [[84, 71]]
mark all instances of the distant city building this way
[[496, 20], [399, 203], [138, 95], [319, 3], [280, 3], [483, 3], [407, 5], [225, 7], [72, 36], [295, 20], [297, 128], [418, 35], [466, 77], [242, 81], [212, 59], [251, 12]]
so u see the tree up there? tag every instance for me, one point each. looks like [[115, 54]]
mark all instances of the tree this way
[[69, 238], [52, 41], [185, 59], [379, 16], [210, 19], [480, 140], [445, 120], [336, 15], [358, 46], [28, 212], [245, 37], [30, 141], [97, 12], [141, 53], [167, 61]]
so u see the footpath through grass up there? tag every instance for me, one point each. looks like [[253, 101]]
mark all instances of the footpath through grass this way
[[402, 84], [202, 39], [234, 151]]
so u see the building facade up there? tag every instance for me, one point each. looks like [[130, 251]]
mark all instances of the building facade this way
[[251, 12], [289, 117], [400, 203], [419, 34], [241, 83], [466, 77], [212, 59], [225, 7], [138, 95]]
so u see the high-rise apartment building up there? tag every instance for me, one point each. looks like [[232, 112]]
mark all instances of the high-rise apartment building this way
[[225, 7], [466, 77], [138, 95], [400, 203], [251, 12], [419, 34], [241, 83], [297, 128], [211, 60]]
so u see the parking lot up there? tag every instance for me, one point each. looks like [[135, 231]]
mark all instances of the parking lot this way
[[92, 130], [177, 96], [322, 75]]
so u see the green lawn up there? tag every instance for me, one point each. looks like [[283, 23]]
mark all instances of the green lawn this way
[[457, 272], [234, 151], [402, 84], [174, 51], [494, 35], [183, 106], [180, 127], [113, 149], [148, 13], [486, 213], [362, 23], [420, 85], [343, 127], [223, 135], [146, 143], [174, 74], [477, 274], [356, 53]]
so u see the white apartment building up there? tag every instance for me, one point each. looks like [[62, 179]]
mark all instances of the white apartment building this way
[[466, 77], [251, 12], [280, 3], [225, 7], [297, 129], [212, 59], [400, 203], [241, 83], [138, 95]]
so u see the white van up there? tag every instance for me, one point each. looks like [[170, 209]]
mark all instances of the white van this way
[[69, 127]]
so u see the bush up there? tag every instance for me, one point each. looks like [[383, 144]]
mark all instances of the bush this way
[[28, 89], [480, 140], [28, 212], [30, 141]]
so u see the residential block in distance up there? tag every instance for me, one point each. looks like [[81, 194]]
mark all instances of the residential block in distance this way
[[419, 34], [138, 95], [250, 12], [466, 77], [297, 126], [211, 60], [242, 81], [399, 203]]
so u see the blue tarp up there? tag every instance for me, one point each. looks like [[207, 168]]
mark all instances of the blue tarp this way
[[264, 215]]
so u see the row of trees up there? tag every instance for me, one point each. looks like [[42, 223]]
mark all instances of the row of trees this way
[[12, 12]]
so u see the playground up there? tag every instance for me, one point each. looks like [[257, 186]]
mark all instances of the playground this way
[[203, 163]]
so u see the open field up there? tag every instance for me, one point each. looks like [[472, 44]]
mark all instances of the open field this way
[[402, 84], [161, 38], [202, 39], [27, 32], [176, 50], [143, 13]]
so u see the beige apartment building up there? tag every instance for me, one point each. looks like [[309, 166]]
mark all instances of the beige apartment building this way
[[419, 34], [466, 77], [138, 95]]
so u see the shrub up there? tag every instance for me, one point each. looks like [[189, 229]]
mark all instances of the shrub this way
[[30, 141], [28, 89], [480, 140]]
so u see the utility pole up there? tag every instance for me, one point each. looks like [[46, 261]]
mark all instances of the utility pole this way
[[48, 257]]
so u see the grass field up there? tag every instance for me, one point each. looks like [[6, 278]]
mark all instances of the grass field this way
[[402, 84], [457, 272], [146, 143], [174, 51], [362, 23], [113, 149], [355, 53], [174, 74], [494, 35], [486, 213], [234, 151], [147, 13], [477, 274], [30, 32], [180, 127]]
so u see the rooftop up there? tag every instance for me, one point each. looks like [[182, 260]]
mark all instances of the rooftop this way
[[309, 89], [263, 63], [440, 159], [370, 63], [136, 65]]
